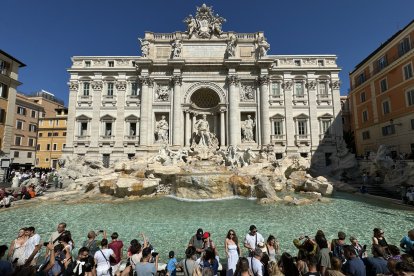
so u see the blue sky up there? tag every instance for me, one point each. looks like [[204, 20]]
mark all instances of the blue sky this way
[[45, 34]]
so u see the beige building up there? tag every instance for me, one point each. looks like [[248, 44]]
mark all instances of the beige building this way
[[51, 138], [382, 97], [23, 148], [9, 72]]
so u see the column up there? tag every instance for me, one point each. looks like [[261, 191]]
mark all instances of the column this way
[[119, 129], [187, 128], [234, 112], [264, 109], [95, 123], [177, 130], [222, 129], [145, 110]]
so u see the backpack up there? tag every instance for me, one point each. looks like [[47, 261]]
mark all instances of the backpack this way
[[338, 251]]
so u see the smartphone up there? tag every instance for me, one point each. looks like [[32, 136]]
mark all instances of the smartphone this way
[[15, 260]]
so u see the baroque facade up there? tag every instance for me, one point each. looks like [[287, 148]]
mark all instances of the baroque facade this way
[[203, 86]]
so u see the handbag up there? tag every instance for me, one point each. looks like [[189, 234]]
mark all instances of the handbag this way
[[110, 267]]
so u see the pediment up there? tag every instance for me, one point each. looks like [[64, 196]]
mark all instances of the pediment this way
[[108, 117], [83, 117]]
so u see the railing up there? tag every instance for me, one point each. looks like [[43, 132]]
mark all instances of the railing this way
[[130, 137], [277, 138], [302, 137], [83, 137], [246, 36], [166, 36]]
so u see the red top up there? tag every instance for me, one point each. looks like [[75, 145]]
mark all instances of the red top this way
[[116, 246]]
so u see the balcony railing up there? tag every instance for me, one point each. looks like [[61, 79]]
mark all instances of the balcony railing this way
[[278, 139], [302, 139], [131, 139]]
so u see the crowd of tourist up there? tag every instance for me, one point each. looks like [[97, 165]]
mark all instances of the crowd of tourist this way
[[254, 256]]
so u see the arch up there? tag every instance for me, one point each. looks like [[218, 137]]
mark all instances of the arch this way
[[205, 85]]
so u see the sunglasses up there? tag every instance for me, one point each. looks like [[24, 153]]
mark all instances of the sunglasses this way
[[231, 234]]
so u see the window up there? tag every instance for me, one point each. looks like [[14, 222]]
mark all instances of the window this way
[[49, 134], [360, 79], [110, 90], [363, 97], [84, 129], [86, 86], [388, 130], [322, 86], [19, 124], [54, 146], [386, 107], [87, 63], [4, 91], [4, 66], [132, 129], [40, 134], [408, 71], [404, 46], [297, 62], [17, 140], [382, 63], [29, 154], [326, 126], [33, 114], [412, 123], [55, 133], [111, 63], [31, 142], [410, 97], [275, 89], [21, 110], [64, 133], [16, 154], [32, 128], [63, 146], [108, 129], [302, 128], [299, 89], [38, 147], [134, 89], [48, 147], [50, 123], [278, 127], [384, 85], [365, 135], [320, 62], [2, 115], [56, 122], [364, 115]]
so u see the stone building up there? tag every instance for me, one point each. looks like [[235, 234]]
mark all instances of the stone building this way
[[203, 85], [382, 97]]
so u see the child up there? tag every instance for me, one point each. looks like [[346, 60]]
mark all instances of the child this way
[[171, 270]]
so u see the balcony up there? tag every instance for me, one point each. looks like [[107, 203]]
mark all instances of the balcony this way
[[300, 99], [320, 98], [302, 139], [326, 138], [108, 100], [82, 140], [133, 100], [106, 140], [131, 140], [85, 100], [278, 99], [278, 139]]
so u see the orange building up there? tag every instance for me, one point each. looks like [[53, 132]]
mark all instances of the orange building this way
[[382, 97]]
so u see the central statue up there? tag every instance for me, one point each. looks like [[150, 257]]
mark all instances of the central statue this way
[[202, 137]]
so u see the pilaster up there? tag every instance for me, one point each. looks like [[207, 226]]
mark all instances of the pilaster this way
[[120, 86], [263, 81], [95, 127], [177, 130], [146, 108], [71, 121], [234, 112]]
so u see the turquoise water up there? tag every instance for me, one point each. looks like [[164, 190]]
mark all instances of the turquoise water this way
[[170, 223]]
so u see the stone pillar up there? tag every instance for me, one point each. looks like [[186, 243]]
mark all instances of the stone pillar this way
[[222, 129], [146, 106], [177, 129], [119, 129], [234, 112], [95, 127], [264, 109], [187, 128]]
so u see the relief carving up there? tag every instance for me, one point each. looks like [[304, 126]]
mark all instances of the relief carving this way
[[162, 94], [247, 93]]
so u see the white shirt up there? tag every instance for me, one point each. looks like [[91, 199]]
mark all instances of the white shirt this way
[[251, 240], [256, 266], [101, 263], [30, 246]]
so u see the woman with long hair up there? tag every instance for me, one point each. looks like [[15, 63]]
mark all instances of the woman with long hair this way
[[232, 249], [243, 268], [272, 248], [17, 247], [209, 261], [287, 265]]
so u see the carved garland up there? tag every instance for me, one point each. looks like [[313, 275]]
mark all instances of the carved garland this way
[[311, 85], [147, 81], [177, 80], [263, 80], [335, 84], [97, 85], [233, 79], [120, 85], [287, 85], [73, 86]]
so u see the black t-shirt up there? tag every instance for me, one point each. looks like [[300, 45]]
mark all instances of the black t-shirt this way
[[73, 268]]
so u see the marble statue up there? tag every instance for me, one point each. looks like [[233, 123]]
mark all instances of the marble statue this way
[[144, 47], [231, 46], [216, 25], [191, 25], [161, 130], [177, 48], [262, 46], [205, 24], [203, 131], [247, 129]]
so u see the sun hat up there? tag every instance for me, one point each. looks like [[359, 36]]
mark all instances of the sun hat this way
[[262, 247]]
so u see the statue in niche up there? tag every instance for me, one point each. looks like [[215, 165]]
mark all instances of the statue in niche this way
[[177, 48], [161, 131], [203, 131], [162, 94], [231, 47], [247, 129], [262, 46], [144, 47]]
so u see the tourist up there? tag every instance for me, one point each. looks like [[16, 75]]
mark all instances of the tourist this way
[[243, 268], [209, 244], [377, 264], [83, 266], [189, 265], [171, 265], [404, 268], [53, 264], [231, 246], [103, 266], [335, 270], [65, 240], [323, 258], [135, 257], [378, 238], [337, 246], [252, 239], [272, 248], [31, 191], [287, 265], [54, 237], [306, 244], [312, 266], [353, 265], [91, 243], [116, 246], [407, 243], [17, 249], [301, 262], [395, 253], [209, 261], [145, 268], [197, 241], [6, 267], [361, 251], [274, 269], [33, 245]]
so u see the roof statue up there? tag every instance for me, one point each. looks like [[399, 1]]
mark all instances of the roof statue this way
[[205, 24]]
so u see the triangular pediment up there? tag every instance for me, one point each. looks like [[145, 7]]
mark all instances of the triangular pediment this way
[[108, 117], [301, 116], [83, 117], [278, 116], [131, 118], [326, 115]]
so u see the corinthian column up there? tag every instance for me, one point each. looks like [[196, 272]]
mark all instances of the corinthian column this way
[[264, 109], [234, 112], [177, 129], [145, 110], [222, 129]]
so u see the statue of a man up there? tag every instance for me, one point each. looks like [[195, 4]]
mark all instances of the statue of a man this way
[[231, 47], [263, 46], [177, 47], [247, 128], [203, 131], [162, 130], [191, 25], [144, 47]]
